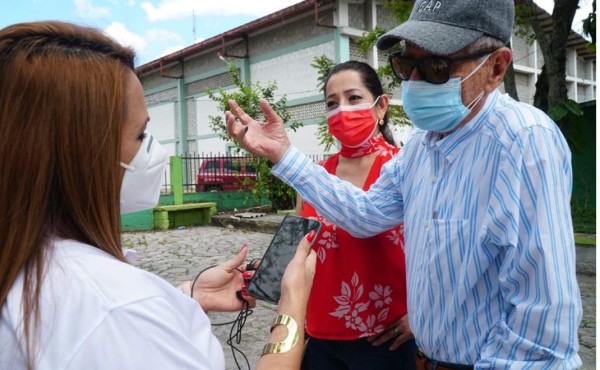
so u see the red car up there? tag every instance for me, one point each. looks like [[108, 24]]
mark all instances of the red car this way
[[226, 173]]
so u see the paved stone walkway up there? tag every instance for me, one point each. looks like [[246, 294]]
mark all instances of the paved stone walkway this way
[[178, 255]]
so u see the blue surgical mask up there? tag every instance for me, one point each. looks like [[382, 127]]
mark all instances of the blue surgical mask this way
[[434, 107]]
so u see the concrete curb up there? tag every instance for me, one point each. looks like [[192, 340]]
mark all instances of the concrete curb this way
[[268, 224], [586, 259]]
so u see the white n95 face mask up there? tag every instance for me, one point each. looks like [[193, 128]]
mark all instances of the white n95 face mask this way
[[140, 189]]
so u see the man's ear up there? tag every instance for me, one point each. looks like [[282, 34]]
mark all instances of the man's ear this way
[[500, 60]]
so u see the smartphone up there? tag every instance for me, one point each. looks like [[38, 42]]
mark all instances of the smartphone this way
[[266, 282]]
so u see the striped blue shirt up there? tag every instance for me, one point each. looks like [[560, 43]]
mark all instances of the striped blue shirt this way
[[490, 253]]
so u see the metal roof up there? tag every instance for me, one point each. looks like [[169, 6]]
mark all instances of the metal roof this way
[[241, 32], [305, 7]]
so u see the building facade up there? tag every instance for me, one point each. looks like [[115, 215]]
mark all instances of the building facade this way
[[280, 48]]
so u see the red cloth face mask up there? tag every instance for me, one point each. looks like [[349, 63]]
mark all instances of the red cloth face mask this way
[[352, 125]]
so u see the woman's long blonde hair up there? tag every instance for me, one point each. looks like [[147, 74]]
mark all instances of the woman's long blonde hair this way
[[61, 111]]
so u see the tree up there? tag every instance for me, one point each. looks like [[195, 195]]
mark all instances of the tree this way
[[510, 83], [551, 94], [553, 46], [248, 96], [589, 26], [323, 65]]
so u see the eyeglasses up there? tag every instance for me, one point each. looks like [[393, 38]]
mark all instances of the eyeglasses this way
[[435, 70]]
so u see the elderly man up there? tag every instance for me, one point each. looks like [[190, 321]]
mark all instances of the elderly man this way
[[483, 188]]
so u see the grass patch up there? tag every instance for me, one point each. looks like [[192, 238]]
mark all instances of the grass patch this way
[[585, 240], [584, 220]]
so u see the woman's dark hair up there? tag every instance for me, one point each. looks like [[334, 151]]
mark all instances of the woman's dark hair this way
[[370, 79]]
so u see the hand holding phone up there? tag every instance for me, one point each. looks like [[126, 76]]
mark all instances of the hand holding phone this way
[[297, 280], [266, 282]]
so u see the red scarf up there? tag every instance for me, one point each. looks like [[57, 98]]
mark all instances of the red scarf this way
[[375, 144]]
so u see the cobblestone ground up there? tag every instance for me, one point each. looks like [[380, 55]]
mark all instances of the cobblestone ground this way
[[178, 255], [587, 328]]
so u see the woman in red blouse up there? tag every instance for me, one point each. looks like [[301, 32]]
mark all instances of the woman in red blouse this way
[[357, 316]]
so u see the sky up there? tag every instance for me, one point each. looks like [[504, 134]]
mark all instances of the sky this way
[[155, 28]]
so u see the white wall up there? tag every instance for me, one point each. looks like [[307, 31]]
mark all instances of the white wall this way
[[205, 107], [402, 133], [162, 127], [293, 72], [162, 121], [305, 139], [213, 145]]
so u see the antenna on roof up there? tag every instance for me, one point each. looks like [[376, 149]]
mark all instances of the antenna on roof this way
[[194, 25]]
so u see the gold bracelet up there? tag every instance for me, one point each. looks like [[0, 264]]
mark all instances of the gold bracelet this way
[[289, 342]]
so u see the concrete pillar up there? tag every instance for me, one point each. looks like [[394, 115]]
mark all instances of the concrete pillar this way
[[371, 23], [177, 179]]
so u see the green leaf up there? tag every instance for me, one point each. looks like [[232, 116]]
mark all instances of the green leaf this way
[[573, 107], [558, 112]]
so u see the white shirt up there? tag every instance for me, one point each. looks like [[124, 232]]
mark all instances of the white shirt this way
[[489, 246], [100, 313]]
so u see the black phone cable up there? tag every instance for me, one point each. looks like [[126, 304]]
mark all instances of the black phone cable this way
[[235, 333], [237, 324]]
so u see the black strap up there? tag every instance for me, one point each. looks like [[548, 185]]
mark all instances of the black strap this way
[[440, 364]]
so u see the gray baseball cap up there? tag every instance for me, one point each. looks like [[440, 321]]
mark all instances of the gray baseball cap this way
[[443, 27]]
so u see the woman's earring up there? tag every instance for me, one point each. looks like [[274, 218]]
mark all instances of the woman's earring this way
[[381, 122]]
